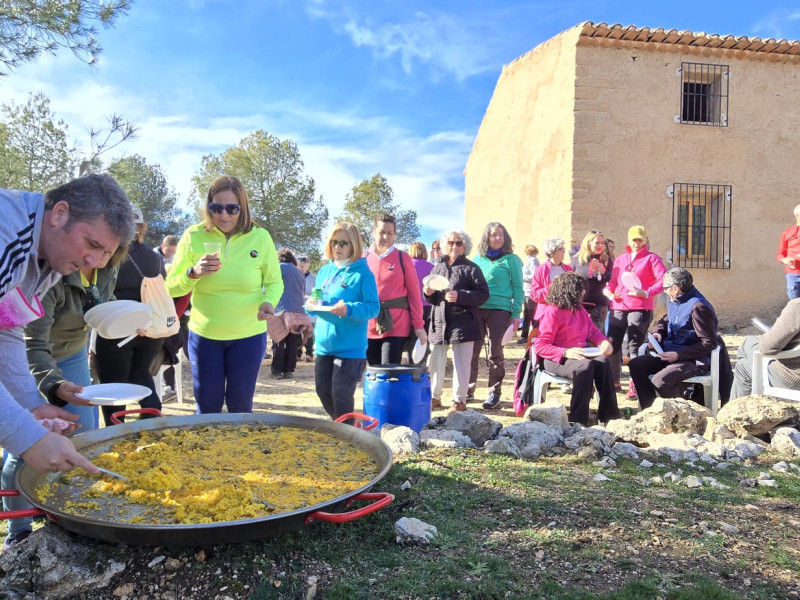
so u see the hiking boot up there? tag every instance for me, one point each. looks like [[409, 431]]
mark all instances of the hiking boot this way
[[632, 395], [309, 358], [492, 401], [15, 539], [435, 402], [457, 407]]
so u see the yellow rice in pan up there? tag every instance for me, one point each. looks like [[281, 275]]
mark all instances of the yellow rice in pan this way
[[216, 474]]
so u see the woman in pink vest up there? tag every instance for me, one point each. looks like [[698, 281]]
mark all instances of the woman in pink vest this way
[[399, 293]]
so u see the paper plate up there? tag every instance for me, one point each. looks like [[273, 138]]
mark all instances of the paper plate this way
[[508, 335], [418, 353], [125, 322], [96, 314], [591, 352], [436, 282], [113, 394], [317, 307], [654, 343], [631, 281]]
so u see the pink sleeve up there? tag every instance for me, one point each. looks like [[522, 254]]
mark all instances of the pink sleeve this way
[[658, 268], [539, 285], [544, 344]]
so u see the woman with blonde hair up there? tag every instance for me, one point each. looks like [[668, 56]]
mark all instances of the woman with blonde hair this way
[[593, 262], [231, 267], [350, 295]]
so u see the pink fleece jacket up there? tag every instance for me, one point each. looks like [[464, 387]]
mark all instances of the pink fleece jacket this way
[[560, 328], [540, 285], [649, 268], [391, 284]]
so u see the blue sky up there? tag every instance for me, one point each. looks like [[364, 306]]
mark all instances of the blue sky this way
[[396, 87]]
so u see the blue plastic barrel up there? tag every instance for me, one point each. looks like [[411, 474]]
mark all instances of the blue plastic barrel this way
[[398, 394]]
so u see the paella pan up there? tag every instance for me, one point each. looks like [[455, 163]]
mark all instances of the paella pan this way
[[109, 518]]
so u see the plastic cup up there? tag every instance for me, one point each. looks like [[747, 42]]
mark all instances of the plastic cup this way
[[213, 248]]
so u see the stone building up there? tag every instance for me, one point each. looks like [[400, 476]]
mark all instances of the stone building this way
[[694, 136]]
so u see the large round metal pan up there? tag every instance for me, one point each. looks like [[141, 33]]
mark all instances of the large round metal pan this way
[[106, 526]]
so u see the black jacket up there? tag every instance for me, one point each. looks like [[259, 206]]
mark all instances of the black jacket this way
[[457, 322]]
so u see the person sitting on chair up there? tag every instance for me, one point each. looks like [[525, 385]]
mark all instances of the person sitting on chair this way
[[783, 335], [687, 335], [564, 330]]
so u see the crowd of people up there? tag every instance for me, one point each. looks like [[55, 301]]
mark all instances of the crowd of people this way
[[581, 314]]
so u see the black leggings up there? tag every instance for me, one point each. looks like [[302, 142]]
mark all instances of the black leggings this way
[[385, 351]]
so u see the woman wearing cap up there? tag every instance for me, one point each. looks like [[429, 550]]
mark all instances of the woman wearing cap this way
[[131, 363], [502, 270], [235, 286], [632, 308]]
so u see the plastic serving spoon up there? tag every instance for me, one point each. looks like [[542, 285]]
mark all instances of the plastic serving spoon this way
[[117, 475]]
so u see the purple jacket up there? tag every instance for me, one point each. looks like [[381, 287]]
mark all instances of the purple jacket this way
[[423, 269]]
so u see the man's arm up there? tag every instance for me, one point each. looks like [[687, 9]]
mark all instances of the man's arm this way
[[706, 329]]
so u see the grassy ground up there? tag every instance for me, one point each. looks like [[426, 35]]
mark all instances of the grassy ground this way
[[508, 528]]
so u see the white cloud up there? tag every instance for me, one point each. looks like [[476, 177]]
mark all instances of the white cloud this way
[[778, 24]]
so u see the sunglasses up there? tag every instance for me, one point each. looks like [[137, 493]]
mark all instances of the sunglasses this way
[[216, 208], [458, 243], [341, 243]]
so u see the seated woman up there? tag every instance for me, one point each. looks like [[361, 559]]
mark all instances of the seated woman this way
[[564, 330]]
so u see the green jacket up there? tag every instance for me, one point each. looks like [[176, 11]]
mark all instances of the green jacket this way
[[504, 277], [225, 304], [62, 332]]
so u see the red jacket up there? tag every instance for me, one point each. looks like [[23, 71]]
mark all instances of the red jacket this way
[[649, 268], [391, 284], [790, 247], [561, 328]]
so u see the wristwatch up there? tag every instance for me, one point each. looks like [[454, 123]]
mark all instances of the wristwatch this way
[[190, 273]]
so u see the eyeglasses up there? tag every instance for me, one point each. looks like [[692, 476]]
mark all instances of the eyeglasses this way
[[458, 243], [217, 208], [340, 243]]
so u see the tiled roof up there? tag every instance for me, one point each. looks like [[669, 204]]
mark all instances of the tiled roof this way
[[688, 38]]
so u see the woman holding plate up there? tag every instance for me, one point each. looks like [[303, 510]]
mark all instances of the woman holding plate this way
[[348, 299], [636, 279], [565, 328], [231, 267]]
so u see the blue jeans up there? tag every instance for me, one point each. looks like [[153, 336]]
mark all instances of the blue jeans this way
[[75, 368], [225, 372], [793, 285]]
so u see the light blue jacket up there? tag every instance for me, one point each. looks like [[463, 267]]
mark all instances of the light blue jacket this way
[[345, 337]]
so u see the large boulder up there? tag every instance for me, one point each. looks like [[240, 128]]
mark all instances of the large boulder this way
[[757, 415], [596, 438], [530, 434], [477, 427], [444, 438], [552, 414], [400, 439], [665, 416]]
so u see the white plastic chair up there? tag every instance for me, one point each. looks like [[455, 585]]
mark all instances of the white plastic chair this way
[[709, 382], [159, 379], [542, 378], [761, 384]]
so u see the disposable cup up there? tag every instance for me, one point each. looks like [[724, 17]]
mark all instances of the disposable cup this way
[[213, 248]]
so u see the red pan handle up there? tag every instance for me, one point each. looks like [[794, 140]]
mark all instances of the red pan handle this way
[[18, 514], [372, 422], [134, 411], [382, 499]]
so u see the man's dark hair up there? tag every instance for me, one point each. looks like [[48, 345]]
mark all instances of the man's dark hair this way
[[286, 255], [95, 196], [567, 290]]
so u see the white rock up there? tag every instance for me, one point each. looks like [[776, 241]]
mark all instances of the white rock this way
[[692, 482], [767, 483], [601, 477], [645, 464], [605, 463], [414, 531], [780, 467], [728, 528], [406, 485]]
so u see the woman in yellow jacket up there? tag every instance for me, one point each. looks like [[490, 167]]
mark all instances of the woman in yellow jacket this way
[[231, 267]]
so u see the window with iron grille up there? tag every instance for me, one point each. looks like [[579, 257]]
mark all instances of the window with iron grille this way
[[704, 94], [701, 225]]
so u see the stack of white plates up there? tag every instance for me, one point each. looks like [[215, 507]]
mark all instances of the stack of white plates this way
[[119, 318]]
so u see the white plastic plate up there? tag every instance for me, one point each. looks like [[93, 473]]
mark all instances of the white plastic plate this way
[[418, 353], [436, 282], [508, 335], [114, 394], [591, 352], [631, 281]]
